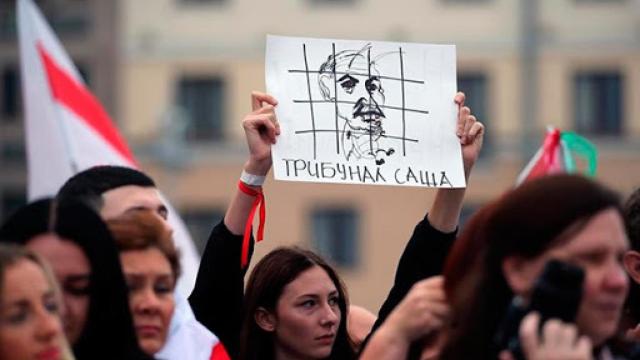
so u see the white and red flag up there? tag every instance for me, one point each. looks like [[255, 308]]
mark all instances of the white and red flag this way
[[67, 131]]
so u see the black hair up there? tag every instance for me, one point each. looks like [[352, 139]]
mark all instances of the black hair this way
[[89, 185]]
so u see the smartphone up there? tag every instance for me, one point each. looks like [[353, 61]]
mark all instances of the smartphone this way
[[556, 294]]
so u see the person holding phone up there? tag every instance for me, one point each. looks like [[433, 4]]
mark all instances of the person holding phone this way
[[503, 250]]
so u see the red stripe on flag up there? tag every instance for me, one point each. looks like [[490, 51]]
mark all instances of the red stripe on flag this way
[[219, 353], [76, 97], [548, 163]]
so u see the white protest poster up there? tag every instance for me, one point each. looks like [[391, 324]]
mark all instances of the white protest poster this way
[[364, 112]]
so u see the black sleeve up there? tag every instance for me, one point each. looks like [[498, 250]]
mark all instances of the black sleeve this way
[[218, 295], [423, 257]]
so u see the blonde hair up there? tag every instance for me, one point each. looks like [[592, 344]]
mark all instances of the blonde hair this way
[[10, 254]]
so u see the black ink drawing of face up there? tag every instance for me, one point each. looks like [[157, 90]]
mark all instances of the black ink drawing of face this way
[[351, 79], [362, 86], [359, 90]]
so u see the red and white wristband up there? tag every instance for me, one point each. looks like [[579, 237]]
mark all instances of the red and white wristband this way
[[258, 202], [253, 180]]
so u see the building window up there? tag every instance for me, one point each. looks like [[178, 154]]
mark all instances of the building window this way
[[203, 102], [11, 97], [598, 103], [8, 21], [12, 199], [200, 222], [67, 18], [465, 1], [474, 85], [335, 235], [579, 2], [83, 69], [13, 152], [71, 24], [468, 210], [203, 1], [332, 2]]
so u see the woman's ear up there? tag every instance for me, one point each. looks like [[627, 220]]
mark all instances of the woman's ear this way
[[631, 261], [520, 274], [265, 319]]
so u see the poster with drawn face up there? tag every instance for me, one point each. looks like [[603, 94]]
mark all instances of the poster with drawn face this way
[[364, 112]]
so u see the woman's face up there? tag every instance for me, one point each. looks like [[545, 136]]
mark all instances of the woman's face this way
[[72, 270], [307, 316], [151, 283], [598, 248], [30, 325]]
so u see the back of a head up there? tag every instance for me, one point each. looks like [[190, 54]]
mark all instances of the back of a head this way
[[265, 286], [90, 184], [524, 222], [109, 326]]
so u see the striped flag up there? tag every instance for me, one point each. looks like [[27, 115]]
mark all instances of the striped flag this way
[[561, 152], [67, 131]]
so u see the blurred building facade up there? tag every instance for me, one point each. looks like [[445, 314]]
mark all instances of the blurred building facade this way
[[184, 69]]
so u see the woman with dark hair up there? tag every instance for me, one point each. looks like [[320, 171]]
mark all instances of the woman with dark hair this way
[[228, 251], [295, 308], [503, 250], [84, 258], [225, 261]]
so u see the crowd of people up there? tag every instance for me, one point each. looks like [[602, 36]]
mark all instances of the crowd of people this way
[[91, 274]]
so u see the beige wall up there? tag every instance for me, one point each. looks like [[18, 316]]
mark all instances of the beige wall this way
[[239, 24], [588, 22]]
